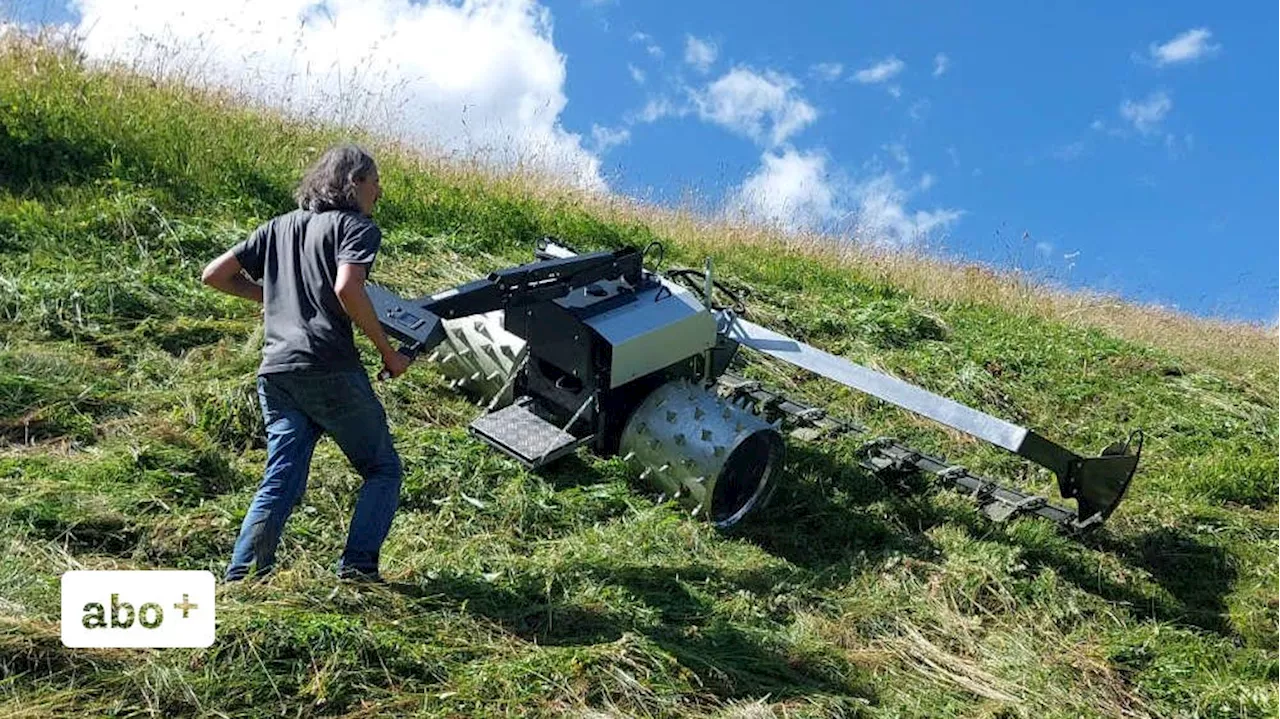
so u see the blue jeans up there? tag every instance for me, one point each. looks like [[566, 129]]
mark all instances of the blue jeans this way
[[297, 408]]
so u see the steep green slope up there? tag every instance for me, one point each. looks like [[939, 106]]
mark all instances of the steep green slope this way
[[130, 438]]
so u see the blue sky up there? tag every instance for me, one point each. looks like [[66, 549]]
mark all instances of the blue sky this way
[[1125, 147]]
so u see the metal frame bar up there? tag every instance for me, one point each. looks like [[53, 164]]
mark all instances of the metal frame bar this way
[[886, 457], [1096, 483]]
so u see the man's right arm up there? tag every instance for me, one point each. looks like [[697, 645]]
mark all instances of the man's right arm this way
[[224, 274], [349, 287]]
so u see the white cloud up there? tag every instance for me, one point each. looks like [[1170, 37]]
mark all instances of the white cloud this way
[[899, 153], [636, 74], [940, 64], [607, 138], [1098, 125], [657, 108], [828, 71], [927, 180], [882, 215], [1178, 145], [1069, 151], [919, 109], [761, 106], [651, 47], [482, 79], [700, 53], [791, 190], [886, 69], [1189, 46], [1146, 114], [795, 190]]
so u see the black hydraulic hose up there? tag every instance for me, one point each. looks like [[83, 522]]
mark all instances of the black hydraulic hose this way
[[699, 277], [662, 254]]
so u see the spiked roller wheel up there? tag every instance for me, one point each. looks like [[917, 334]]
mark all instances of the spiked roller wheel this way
[[718, 460], [479, 356]]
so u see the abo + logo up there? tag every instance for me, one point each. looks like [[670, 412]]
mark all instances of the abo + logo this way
[[150, 615], [139, 608]]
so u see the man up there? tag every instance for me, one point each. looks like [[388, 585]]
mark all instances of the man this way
[[312, 264]]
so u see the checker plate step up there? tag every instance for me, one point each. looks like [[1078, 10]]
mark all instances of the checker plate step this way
[[519, 432]]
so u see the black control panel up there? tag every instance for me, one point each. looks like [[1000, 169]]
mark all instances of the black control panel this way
[[416, 328]]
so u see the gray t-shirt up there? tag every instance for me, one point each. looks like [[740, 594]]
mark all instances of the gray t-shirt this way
[[296, 256]]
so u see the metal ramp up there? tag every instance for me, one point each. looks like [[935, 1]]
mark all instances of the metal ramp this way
[[520, 433]]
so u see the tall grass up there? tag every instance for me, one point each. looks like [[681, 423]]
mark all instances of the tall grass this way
[[129, 437]]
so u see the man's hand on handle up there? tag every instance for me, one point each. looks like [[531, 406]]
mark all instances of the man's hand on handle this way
[[355, 302], [394, 364]]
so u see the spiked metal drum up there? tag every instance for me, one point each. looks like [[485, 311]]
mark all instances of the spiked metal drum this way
[[715, 457]]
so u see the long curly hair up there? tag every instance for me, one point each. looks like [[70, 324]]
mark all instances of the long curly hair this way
[[330, 183]]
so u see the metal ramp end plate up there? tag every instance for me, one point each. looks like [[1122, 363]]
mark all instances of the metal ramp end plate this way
[[524, 435]]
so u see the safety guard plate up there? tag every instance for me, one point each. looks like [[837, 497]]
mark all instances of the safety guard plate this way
[[528, 438]]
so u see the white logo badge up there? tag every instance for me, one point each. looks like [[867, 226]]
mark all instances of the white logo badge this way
[[137, 608]]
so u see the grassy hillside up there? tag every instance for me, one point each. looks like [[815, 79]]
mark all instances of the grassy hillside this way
[[130, 438]]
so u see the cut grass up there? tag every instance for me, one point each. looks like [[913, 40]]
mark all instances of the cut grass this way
[[132, 439]]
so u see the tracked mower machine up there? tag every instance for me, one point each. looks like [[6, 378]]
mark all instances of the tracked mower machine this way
[[595, 350]]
